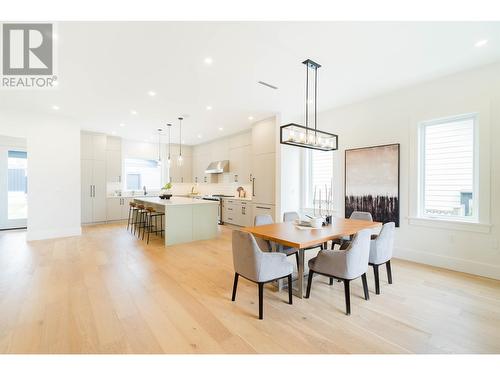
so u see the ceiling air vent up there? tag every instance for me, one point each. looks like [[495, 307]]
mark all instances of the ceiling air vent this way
[[268, 85]]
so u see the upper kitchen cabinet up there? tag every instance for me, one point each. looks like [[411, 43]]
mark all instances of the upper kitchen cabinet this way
[[264, 136], [264, 178], [240, 164], [240, 140], [113, 160], [181, 173], [219, 150], [93, 146]]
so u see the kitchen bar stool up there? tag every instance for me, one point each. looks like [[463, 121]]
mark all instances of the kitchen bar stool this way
[[150, 214], [139, 222], [132, 210]]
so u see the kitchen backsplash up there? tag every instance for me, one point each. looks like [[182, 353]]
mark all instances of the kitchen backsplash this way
[[185, 188]]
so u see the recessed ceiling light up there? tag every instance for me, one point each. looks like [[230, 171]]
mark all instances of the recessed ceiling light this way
[[221, 129], [250, 118], [55, 107], [199, 136], [209, 107], [151, 93], [208, 60], [122, 124], [481, 43], [133, 112]]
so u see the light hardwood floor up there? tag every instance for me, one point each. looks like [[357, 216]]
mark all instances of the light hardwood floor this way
[[107, 292]]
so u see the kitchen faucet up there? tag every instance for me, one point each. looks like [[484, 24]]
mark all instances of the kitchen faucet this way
[[145, 191]]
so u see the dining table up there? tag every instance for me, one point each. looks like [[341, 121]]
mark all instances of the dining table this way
[[303, 238]]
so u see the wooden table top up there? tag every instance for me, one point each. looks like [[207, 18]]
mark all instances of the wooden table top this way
[[289, 235]]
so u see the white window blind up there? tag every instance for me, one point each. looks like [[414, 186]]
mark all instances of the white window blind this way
[[320, 172], [448, 168]]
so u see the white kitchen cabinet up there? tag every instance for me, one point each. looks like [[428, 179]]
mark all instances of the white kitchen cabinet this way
[[264, 136], [93, 146], [117, 208], [237, 212], [93, 191], [183, 173], [113, 166], [240, 164], [262, 209], [263, 178], [200, 164], [113, 208], [93, 177], [87, 190]]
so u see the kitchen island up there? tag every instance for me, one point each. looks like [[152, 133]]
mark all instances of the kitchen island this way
[[186, 219]]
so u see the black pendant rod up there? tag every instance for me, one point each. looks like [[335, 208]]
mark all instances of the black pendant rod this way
[[315, 103], [169, 126], [307, 100]]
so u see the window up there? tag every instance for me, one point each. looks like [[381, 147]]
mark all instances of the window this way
[[448, 175], [142, 172], [17, 183], [319, 172]]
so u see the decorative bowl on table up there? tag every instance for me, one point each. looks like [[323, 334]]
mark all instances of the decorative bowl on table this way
[[316, 222]]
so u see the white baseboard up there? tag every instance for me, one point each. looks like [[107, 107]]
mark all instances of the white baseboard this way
[[455, 264], [34, 235]]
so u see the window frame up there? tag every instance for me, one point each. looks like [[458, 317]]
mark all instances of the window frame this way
[[474, 218]]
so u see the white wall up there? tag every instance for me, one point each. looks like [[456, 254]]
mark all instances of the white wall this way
[[393, 118], [53, 146]]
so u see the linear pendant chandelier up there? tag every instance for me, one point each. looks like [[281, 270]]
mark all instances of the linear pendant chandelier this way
[[305, 136]]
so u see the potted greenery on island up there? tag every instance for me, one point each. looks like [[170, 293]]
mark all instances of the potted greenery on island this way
[[166, 191]]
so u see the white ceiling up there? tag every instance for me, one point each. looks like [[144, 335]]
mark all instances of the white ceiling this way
[[106, 69]]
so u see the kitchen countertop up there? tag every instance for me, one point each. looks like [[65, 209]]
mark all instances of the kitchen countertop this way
[[238, 199], [174, 201]]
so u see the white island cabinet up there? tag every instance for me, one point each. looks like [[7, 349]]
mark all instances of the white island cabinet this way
[[186, 219]]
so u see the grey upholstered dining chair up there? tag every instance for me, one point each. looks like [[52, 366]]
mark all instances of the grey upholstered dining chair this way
[[381, 253], [255, 265], [267, 245], [346, 265], [355, 215]]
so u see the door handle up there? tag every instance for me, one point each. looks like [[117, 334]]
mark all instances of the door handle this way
[[253, 186], [90, 191], [93, 188], [264, 208]]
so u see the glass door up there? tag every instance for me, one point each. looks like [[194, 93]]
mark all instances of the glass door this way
[[13, 188]]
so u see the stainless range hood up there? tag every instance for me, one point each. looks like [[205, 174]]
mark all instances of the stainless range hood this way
[[221, 166]]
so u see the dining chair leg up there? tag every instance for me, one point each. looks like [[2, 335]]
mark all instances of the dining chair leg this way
[[290, 286], [235, 286], [389, 271], [261, 300], [331, 280], [365, 287], [377, 281], [309, 283], [297, 259], [347, 297]]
